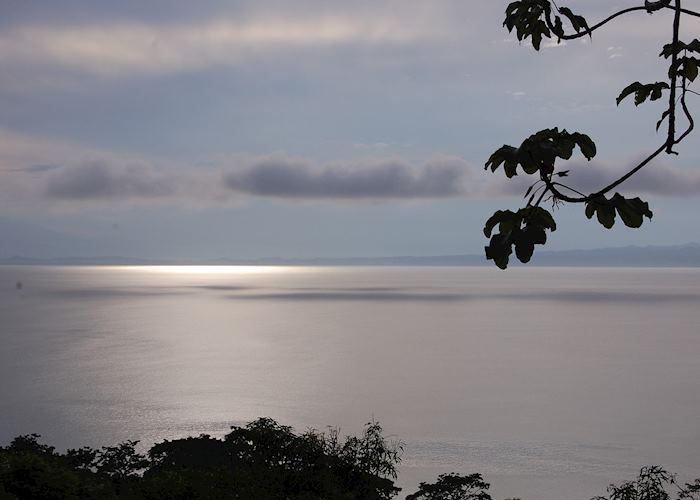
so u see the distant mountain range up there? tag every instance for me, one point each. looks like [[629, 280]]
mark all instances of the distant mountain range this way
[[630, 256]]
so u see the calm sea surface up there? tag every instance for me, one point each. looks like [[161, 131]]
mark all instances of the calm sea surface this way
[[551, 382]]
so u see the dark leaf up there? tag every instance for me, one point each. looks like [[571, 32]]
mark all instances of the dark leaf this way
[[632, 211], [670, 48], [657, 90], [585, 144], [577, 22], [604, 211], [630, 89], [505, 154], [590, 210], [496, 219], [663, 117], [558, 28], [642, 92], [499, 250], [606, 216], [542, 218], [524, 247], [536, 234], [690, 68]]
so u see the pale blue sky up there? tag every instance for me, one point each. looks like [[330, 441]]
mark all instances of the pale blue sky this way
[[308, 128]]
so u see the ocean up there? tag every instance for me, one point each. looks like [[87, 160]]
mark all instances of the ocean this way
[[551, 382]]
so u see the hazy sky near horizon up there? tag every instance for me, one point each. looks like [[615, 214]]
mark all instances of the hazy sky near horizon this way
[[310, 128]]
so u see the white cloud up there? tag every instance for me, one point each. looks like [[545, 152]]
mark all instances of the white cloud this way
[[118, 50], [19, 151]]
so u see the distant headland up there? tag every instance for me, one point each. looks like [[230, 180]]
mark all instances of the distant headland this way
[[687, 255]]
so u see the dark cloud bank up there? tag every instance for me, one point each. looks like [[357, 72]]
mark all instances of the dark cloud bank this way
[[102, 180], [284, 178], [293, 179], [658, 179], [270, 177]]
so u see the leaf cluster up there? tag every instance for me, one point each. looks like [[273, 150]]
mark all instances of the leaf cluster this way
[[579, 23], [521, 230], [642, 92], [676, 48], [685, 66], [631, 210], [539, 152], [533, 19], [526, 17]]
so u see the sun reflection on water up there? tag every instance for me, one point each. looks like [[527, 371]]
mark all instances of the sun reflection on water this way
[[206, 269]]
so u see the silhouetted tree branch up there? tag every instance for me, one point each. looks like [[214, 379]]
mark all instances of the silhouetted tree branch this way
[[537, 155]]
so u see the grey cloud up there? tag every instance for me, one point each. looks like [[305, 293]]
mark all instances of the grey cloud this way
[[113, 181], [101, 180], [297, 179], [285, 178], [36, 169], [659, 179]]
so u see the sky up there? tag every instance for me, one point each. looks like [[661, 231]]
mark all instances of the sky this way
[[268, 128]]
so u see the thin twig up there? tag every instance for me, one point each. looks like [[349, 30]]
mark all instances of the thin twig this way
[[539, 200], [567, 187], [591, 29], [536, 190], [583, 199], [688, 115], [685, 11]]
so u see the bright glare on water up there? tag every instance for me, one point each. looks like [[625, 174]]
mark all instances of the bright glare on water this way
[[547, 381]]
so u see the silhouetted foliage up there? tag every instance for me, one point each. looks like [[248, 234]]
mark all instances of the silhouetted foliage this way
[[537, 156], [262, 460], [453, 487], [653, 483]]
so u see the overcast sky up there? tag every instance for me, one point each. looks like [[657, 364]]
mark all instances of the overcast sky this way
[[298, 128]]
